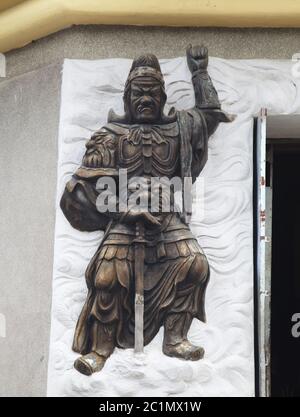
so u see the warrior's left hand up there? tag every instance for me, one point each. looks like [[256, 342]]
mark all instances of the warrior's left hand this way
[[197, 57]]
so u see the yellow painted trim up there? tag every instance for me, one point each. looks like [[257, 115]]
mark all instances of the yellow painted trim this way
[[33, 19], [6, 4]]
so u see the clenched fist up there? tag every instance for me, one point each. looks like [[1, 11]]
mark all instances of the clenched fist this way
[[197, 57]]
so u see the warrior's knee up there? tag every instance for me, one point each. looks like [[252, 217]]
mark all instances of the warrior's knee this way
[[199, 271]]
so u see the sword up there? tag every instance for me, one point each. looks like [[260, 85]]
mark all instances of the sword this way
[[139, 252]]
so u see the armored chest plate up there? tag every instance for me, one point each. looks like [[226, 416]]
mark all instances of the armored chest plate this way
[[150, 150]]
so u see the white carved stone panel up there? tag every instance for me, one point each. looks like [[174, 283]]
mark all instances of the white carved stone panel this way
[[89, 90]]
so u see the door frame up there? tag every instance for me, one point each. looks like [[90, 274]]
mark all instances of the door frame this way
[[262, 252], [270, 130]]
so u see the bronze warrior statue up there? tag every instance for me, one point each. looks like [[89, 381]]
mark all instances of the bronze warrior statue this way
[[149, 270]]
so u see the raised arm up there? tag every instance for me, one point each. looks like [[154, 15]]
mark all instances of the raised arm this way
[[206, 96]]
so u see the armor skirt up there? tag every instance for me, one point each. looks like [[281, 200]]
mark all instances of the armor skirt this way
[[175, 279]]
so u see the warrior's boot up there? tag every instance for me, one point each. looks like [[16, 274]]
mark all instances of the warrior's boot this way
[[175, 341], [103, 344], [90, 363]]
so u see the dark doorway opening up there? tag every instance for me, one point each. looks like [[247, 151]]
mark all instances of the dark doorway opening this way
[[285, 275]]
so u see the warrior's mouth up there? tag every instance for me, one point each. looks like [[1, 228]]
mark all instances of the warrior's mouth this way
[[145, 109]]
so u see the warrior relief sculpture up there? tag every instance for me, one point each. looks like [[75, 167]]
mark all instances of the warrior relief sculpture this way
[[149, 270]]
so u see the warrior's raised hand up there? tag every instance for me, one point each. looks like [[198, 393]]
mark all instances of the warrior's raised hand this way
[[197, 57], [206, 96]]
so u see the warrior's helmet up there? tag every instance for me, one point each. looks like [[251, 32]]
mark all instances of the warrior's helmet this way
[[144, 66]]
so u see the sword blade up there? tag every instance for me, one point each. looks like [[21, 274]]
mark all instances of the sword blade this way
[[139, 289]]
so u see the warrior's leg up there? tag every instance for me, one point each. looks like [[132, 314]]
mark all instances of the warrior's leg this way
[[178, 321], [103, 321], [103, 344]]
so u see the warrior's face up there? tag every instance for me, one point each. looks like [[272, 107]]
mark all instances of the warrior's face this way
[[146, 100]]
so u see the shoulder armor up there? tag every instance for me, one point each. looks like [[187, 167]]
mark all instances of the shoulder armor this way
[[100, 150]]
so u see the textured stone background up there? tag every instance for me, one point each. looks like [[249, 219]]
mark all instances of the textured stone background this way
[[29, 114]]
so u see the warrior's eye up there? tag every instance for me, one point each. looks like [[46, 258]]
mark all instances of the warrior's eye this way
[[155, 91], [137, 93]]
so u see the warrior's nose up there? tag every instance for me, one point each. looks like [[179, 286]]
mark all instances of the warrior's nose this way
[[146, 100]]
